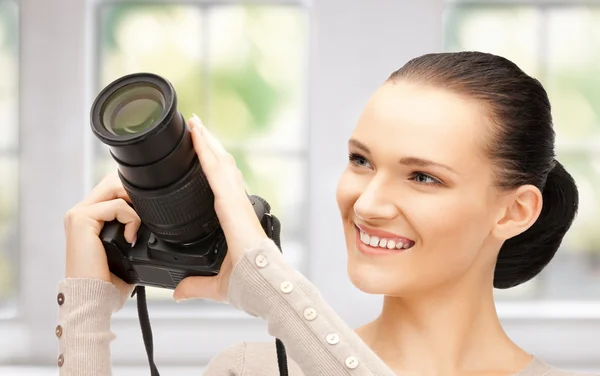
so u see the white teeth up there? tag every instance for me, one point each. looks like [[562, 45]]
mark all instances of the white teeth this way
[[365, 238], [375, 241]]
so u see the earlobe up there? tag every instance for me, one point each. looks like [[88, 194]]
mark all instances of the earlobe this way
[[521, 210]]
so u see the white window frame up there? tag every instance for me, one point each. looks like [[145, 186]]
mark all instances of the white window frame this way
[[347, 63]]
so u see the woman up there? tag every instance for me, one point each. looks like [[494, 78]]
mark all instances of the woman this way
[[451, 189]]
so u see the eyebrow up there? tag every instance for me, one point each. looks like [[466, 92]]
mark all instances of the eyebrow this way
[[407, 161]]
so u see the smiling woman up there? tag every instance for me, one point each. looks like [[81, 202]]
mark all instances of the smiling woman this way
[[470, 178], [452, 202]]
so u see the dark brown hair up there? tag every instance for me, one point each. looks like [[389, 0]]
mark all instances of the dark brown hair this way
[[520, 146]]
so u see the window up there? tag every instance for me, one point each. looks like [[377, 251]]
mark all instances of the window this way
[[9, 155], [559, 45], [242, 70]]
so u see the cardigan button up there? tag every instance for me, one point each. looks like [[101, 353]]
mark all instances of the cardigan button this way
[[261, 261], [332, 339], [351, 362], [310, 314], [286, 287]]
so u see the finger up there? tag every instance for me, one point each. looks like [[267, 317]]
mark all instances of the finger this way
[[118, 209], [197, 287], [205, 154], [109, 188], [211, 140]]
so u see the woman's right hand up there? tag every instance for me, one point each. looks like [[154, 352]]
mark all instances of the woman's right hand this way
[[85, 254]]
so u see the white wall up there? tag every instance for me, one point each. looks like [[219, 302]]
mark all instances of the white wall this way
[[358, 45]]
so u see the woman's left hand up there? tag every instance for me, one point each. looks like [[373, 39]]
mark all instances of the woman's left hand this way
[[237, 217]]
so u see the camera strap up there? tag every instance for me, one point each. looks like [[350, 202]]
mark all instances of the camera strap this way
[[273, 230]]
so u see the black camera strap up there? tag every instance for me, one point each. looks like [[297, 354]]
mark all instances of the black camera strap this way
[[273, 229]]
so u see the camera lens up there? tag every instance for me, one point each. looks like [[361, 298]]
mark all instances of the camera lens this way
[[137, 117], [132, 109]]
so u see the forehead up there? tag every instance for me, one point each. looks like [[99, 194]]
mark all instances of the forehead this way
[[424, 121]]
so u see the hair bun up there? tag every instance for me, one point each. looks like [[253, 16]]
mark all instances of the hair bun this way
[[524, 256]]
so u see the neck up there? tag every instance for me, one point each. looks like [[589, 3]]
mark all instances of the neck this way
[[443, 333]]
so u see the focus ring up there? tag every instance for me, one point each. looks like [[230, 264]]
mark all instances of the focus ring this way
[[182, 212]]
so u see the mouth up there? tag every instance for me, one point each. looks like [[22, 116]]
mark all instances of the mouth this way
[[378, 242]]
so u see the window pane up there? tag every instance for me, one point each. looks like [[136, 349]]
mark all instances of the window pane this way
[[508, 31], [242, 70], [282, 181], [257, 65], [160, 39], [574, 73], [9, 180], [9, 250], [8, 75]]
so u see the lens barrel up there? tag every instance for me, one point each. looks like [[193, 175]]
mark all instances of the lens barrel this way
[[136, 116]]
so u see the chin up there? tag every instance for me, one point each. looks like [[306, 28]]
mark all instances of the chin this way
[[371, 279]]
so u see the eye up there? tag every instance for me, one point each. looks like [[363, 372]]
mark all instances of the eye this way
[[358, 160], [425, 179]]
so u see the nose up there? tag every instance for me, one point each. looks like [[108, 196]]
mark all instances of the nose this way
[[375, 203]]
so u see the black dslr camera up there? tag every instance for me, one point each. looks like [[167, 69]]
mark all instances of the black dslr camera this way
[[180, 236]]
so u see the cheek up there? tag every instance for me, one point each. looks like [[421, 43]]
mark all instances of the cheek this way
[[445, 216], [452, 228], [347, 192]]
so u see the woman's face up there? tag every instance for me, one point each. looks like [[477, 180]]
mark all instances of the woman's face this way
[[419, 186]]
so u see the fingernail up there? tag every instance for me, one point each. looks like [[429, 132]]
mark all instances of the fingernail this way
[[197, 120], [133, 242]]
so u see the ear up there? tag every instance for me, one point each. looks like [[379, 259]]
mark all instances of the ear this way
[[521, 209]]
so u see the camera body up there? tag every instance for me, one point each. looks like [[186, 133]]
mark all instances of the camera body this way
[[154, 262]]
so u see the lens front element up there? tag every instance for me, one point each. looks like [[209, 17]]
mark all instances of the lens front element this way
[[132, 109]]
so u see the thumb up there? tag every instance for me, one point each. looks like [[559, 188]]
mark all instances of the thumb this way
[[198, 288]]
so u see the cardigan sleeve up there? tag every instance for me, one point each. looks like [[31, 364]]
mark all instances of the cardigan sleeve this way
[[83, 330], [261, 284], [315, 337], [229, 362]]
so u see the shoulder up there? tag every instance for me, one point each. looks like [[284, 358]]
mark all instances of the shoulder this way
[[249, 359], [553, 371], [539, 367]]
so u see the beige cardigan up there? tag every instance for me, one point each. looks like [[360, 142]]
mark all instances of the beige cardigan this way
[[317, 341]]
